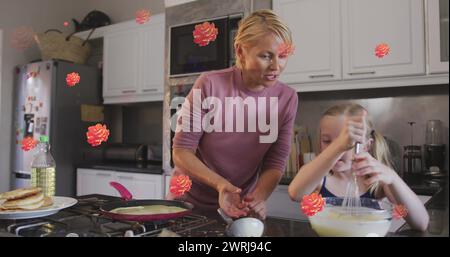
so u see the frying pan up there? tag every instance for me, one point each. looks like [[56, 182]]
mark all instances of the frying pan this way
[[127, 201]]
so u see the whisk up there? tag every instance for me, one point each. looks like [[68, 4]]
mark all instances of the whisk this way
[[352, 202]]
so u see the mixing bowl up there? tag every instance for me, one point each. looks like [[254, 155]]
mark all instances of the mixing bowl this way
[[373, 218]]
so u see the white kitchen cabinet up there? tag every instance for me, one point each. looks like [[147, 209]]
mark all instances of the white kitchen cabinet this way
[[141, 186], [315, 27], [280, 205], [367, 23], [91, 181], [133, 61], [120, 58], [437, 35], [152, 60], [336, 40]]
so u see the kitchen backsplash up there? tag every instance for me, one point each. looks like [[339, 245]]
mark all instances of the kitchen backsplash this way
[[142, 123], [390, 108], [135, 123]]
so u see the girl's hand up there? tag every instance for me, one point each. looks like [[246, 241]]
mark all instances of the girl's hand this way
[[354, 131], [372, 170], [257, 207], [230, 201]]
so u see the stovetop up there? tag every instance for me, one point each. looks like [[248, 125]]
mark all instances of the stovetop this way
[[85, 220]]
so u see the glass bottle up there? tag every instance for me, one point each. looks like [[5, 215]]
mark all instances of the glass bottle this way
[[43, 168]]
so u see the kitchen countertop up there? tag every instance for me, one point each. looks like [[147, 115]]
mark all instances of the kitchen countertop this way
[[148, 168], [437, 207]]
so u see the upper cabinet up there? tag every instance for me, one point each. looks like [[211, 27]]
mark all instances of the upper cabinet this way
[[121, 62], [368, 23], [437, 27], [133, 61], [315, 26], [336, 43]]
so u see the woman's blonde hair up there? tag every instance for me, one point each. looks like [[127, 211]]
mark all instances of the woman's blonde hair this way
[[257, 25], [379, 148]]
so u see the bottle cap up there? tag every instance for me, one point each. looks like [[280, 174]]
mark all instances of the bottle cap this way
[[43, 139]]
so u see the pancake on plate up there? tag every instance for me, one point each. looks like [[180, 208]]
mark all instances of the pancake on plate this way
[[20, 193], [22, 199]]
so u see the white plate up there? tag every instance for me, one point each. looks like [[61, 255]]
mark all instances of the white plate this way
[[59, 203]]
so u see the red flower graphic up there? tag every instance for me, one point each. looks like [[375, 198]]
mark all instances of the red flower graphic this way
[[312, 204], [285, 50], [72, 79], [22, 38], [180, 184], [399, 211], [205, 33], [28, 143], [381, 50], [66, 24], [142, 16], [97, 134]]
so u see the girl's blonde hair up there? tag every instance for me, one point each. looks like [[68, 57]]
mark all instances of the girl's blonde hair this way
[[257, 25], [379, 148]]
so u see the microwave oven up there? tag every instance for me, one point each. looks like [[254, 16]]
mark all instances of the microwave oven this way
[[187, 58]]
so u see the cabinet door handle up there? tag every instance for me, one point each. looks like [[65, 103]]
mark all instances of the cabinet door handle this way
[[125, 177], [361, 73], [150, 90], [321, 76], [103, 174], [128, 91]]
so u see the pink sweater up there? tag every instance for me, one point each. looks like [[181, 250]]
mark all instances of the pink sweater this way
[[237, 153]]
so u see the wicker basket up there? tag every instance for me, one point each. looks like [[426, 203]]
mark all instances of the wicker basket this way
[[55, 45]]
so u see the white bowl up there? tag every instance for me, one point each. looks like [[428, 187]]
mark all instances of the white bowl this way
[[374, 219], [246, 227]]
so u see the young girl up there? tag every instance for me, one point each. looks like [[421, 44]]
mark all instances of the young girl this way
[[329, 173]]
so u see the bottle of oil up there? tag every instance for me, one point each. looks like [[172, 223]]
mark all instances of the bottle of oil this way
[[43, 168]]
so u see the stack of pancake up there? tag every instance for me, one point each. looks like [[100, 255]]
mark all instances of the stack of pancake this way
[[30, 198]]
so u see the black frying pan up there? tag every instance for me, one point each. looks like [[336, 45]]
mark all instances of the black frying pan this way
[[127, 202]]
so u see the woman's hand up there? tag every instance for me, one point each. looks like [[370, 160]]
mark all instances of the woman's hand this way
[[257, 207], [354, 131], [372, 170], [230, 201]]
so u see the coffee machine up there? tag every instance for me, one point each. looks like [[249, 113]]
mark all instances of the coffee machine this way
[[434, 149], [412, 156]]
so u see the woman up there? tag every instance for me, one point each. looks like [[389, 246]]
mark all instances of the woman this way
[[235, 163]]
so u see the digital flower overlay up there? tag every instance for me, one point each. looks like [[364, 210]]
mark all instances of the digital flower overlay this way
[[205, 33], [97, 134], [180, 184], [381, 50], [28, 143], [312, 204], [142, 16], [399, 211], [72, 79], [285, 50]]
